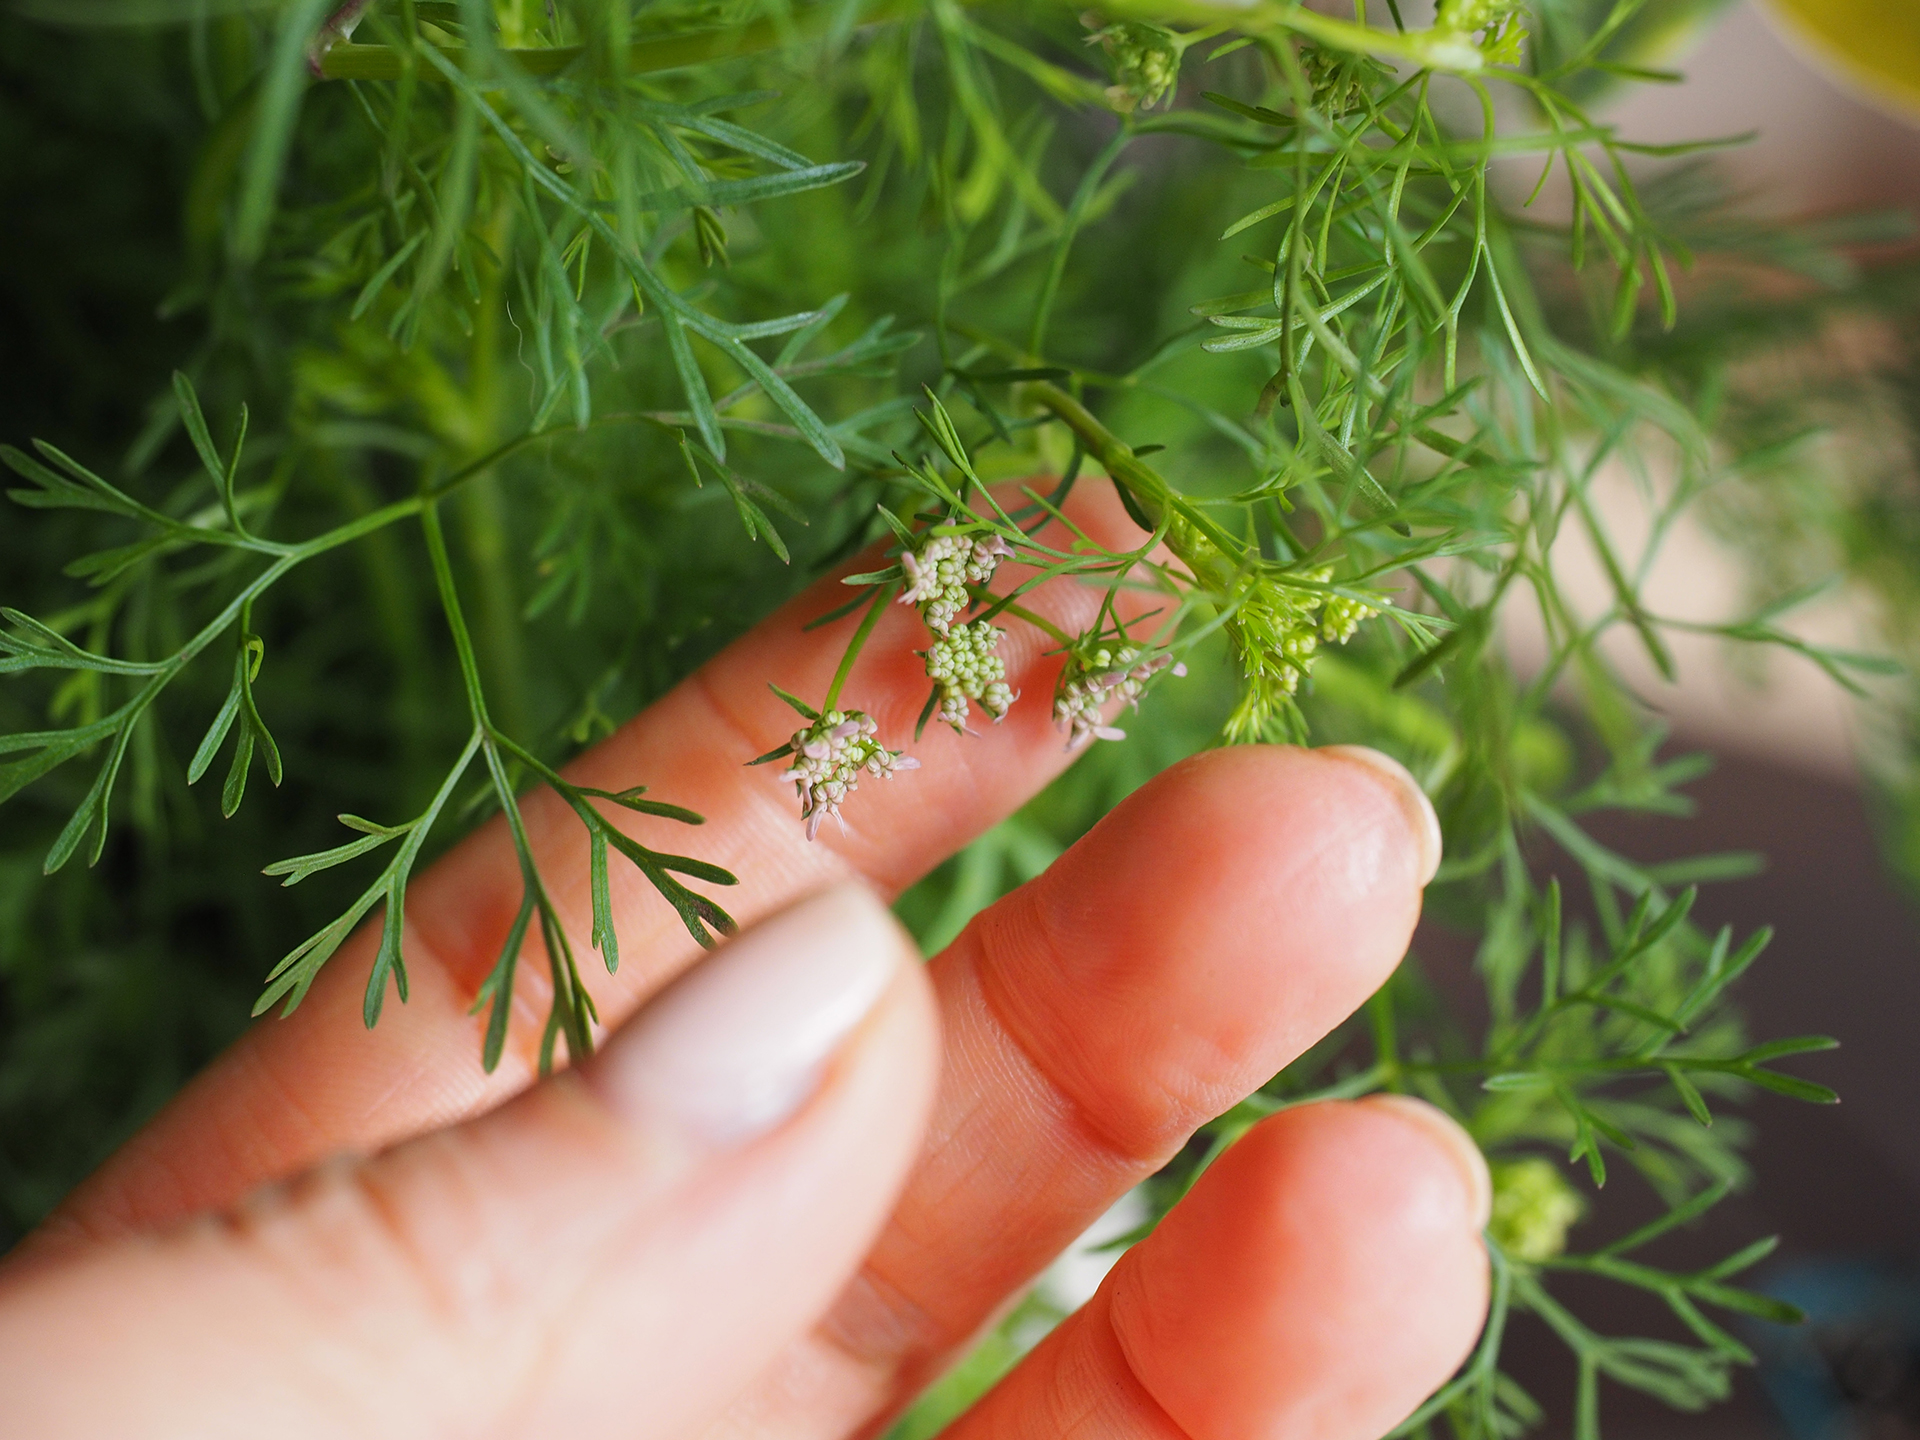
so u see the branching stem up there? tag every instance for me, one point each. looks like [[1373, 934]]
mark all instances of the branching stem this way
[[881, 596], [1155, 497]]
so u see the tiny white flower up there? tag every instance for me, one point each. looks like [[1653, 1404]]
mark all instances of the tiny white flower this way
[[1093, 677], [829, 756], [940, 570]]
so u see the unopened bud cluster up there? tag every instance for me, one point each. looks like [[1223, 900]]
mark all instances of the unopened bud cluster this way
[[1095, 676], [1533, 1208], [1276, 636], [1336, 82], [1340, 617], [962, 664], [940, 570], [828, 758], [1145, 60], [1276, 631], [1287, 625]]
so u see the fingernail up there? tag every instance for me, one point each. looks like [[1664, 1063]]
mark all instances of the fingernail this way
[[1413, 800], [1466, 1155], [742, 1041]]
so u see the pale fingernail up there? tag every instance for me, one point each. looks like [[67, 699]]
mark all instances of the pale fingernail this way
[[1413, 800], [1466, 1155], [742, 1041]]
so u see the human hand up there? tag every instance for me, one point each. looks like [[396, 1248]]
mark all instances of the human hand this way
[[801, 1179]]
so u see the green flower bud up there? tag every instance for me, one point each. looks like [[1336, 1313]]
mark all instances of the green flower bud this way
[[961, 663], [1533, 1208], [1145, 60]]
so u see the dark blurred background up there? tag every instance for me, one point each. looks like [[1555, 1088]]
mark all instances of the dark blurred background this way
[[1841, 1187]]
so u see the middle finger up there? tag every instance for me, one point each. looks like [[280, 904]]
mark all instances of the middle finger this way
[[1217, 923]]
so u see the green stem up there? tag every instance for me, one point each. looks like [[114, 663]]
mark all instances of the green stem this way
[[239, 608], [447, 484], [288, 557], [391, 580], [1386, 1042], [481, 512], [1158, 501], [456, 617], [570, 1007], [881, 598], [1364, 1082], [1437, 49], [319, 545], [1020, 612]]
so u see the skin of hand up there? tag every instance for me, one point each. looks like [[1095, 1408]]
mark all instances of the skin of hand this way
[[807, 1169]]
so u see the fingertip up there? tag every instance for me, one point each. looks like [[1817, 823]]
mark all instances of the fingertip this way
[[1443, 1131], [1217, 922], [1321, 1279], [1422, 821], [1273, 830]]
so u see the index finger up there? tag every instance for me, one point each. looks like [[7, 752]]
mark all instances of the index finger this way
[[293, 1091]]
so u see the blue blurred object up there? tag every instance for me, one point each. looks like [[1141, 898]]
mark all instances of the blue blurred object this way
[[1852, 1371]]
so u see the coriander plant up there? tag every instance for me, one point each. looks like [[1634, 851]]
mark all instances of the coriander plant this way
[[527, 349]]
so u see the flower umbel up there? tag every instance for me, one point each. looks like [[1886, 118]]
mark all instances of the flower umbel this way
[[1340, 617], [1145, 60], [962, 664], [1337, 80], [828, 757], [1095, 674], [1275, 631], [1533, 1208], [940, 570]]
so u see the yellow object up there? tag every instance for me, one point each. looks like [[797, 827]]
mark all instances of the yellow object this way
[[1874, 44]]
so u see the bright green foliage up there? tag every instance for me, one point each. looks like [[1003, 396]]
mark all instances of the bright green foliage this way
[[529, 351]]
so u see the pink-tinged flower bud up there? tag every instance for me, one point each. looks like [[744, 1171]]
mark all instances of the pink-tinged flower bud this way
[[829, 755], [1094, 677], [918, 576], [939, 570]]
